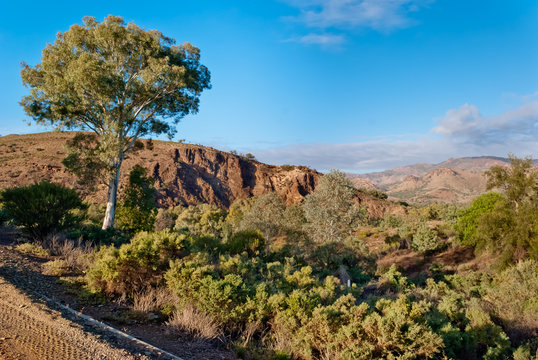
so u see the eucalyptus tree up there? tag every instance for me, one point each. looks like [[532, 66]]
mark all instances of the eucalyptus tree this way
[[118, 81]]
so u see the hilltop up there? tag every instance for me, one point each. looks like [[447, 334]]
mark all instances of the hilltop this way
[[184, 174]]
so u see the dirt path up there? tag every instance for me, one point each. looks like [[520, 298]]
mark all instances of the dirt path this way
[[30, 330], [33, 328]]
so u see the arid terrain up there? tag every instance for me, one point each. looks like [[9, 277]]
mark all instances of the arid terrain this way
[[35, 329]]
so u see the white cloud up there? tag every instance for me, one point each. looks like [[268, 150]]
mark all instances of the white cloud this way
[[377, 14], [466, 124], [464, 132], [321, 39]]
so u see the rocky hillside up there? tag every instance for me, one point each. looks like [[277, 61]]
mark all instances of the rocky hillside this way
[[184, 173], [456, 180], [440, 185]]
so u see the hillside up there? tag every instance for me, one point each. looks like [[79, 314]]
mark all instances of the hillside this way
[[456, 180], [184, 174]]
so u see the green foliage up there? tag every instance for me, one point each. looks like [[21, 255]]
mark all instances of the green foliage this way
[[375, 193], [4, 216], [513, 297], [42, 208], [201, 220], [351, 253], [425, 239], [93, 234], [519, 182], [84, 161], [136, 265], [331, 211], [249, 241], [120, 82], [457, 314], [137, 210], [266, 215], [468, 218], [165, 219], [33, 249]]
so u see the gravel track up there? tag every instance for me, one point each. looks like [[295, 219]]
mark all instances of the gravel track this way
[[31, 330]]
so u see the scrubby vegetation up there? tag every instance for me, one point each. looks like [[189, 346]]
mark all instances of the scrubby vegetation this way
[[322, 280], [42, 208]]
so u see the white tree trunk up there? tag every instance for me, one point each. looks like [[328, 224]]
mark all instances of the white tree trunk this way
[[110, 213]]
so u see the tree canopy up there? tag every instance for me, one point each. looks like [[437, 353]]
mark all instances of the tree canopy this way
[[120, 82]]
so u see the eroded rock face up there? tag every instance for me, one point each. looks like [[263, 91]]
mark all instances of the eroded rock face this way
[[192, 175], [184, 174]]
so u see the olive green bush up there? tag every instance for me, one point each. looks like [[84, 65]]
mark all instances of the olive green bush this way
[[42, 208], [425, 239], [512, 297], [331, 211], [201, 220], [135, 265]]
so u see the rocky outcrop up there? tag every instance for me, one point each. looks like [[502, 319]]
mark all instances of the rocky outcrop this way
[[184, 174]]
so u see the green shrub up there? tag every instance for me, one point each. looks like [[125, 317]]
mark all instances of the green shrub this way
[[331, 211], [136, 211], [468, 218], [425, 239], [266, 215], [42, 208], [250, 241], [165, 220], [56, 267], [201, 220], [4, 216], [135, 265], [94, 234], [513, 298], [33, 249]]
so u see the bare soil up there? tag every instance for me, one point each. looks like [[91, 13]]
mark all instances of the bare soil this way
[[31, 328]]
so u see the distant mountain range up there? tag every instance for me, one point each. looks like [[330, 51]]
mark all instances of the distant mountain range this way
[[456, 180]]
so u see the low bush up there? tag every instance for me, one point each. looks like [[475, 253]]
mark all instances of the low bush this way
[[33, 249], [249, 241], [135, 265], [425, 239], [42, 208], [56, 267], [512, 297], [136, 211]]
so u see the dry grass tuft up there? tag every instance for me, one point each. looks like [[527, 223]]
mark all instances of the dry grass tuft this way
[[77, 255], [153, 300], [194, 321]]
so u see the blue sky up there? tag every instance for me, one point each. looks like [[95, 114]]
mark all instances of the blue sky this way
[[358, 85]]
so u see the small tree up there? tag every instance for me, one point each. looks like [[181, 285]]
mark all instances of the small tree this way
[[509, 227], [265, 215], [137, 210], [42, 208], [519, 182], [331, 210], [117, 80]]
